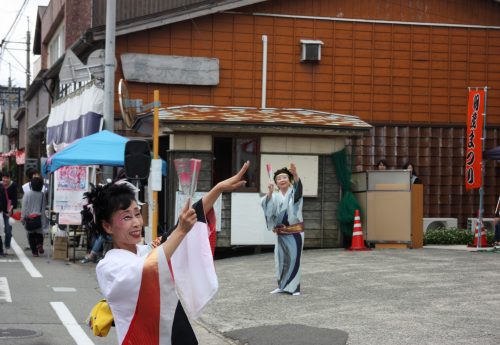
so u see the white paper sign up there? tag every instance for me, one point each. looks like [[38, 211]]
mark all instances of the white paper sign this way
[[70, 183], [248, 222], [307, 168], [156, 175]]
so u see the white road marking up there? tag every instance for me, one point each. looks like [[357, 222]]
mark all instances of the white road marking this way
[[4, 290], [70, 323], [24, 260], [63, 289], [9, 260]]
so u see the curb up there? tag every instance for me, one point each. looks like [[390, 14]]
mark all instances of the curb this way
[[209, 336]]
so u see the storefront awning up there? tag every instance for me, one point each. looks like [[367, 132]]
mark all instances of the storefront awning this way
[[76, 116]]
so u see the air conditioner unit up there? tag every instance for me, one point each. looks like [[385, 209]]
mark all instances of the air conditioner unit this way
[[311, 50], [437, 223], [488, 224]]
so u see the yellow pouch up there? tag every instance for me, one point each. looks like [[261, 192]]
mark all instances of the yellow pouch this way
[[100, 319]]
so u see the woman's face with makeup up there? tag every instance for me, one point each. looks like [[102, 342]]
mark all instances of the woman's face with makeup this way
[[126, 227], [282, 181]]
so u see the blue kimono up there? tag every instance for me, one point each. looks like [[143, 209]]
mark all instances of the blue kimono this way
[[284, 216]]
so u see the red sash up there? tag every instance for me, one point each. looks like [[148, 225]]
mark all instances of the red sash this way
[[145, 325]]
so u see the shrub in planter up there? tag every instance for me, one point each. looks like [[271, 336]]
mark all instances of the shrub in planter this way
[[453, 236]]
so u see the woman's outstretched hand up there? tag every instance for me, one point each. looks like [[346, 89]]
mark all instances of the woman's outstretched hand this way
[[227, 185], [293, 170], [235, 181], [187, 218], [270, 190]]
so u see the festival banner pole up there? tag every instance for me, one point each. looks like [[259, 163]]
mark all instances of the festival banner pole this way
[[475, 140], [481, 189]]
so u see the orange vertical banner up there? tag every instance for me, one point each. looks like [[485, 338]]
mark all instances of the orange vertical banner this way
[[473, 141]]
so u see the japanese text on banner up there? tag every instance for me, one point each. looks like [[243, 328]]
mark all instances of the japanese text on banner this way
[[473, 141]]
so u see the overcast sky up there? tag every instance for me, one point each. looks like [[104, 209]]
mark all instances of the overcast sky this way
[[8, 13]]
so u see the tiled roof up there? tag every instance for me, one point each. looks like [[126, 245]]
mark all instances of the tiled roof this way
[[260, 116]]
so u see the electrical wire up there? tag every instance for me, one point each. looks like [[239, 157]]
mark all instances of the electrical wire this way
[[14, 66], [14, 57], [5, 40], [16, 20]]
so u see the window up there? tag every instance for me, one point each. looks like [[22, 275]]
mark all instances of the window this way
[[56, 45], [311, 50], [229, 155]]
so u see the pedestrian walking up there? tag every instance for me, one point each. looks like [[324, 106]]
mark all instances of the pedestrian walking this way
[[4, 208], [283, 211], [30, 173], [33, 215], [11, 189]]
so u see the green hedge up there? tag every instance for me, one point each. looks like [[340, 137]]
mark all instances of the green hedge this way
[[453, 236]]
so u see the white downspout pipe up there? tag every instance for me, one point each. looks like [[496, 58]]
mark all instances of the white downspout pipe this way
[[264, 70]]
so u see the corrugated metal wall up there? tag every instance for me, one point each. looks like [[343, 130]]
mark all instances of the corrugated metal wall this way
[[130, 9]]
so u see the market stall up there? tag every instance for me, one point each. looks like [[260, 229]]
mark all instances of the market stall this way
[[71, 170]]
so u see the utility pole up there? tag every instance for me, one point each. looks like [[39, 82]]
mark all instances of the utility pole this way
[[28, 76], [9, 97], [109, 66], [26, 111], [109, 75]]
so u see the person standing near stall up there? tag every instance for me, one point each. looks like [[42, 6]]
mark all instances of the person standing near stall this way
[[283, 211], [4, 208], [414, 178], [382, 165]]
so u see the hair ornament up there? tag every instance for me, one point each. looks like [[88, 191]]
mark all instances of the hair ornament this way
[[132, 187]]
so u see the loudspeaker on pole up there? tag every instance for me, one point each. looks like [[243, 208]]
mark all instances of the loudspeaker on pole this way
[[137, 159]]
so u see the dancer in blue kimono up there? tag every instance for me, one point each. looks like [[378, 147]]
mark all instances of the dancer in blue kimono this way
[[283, 211]]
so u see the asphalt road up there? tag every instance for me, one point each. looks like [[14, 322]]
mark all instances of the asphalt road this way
[[424, 296], [46, 302], [381, 297]]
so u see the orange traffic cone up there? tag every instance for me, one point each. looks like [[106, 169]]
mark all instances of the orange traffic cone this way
[[483, 242], [358, 244]]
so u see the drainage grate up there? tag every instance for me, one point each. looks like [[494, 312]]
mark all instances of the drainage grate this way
[[15, 333]]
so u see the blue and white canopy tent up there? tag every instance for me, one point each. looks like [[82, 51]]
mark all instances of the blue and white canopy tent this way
[[101, 148]]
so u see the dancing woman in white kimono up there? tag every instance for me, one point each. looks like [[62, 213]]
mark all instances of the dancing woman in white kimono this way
[[283, 210], [141, 282]]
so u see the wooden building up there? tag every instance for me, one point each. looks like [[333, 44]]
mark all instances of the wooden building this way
[[60, 26], [223, 138], [404, 67]]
